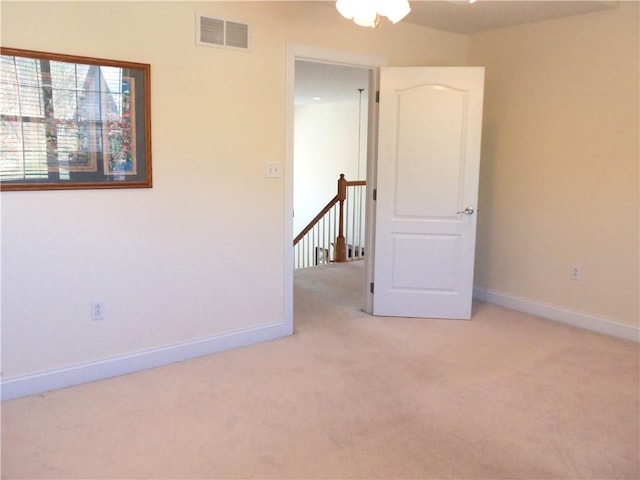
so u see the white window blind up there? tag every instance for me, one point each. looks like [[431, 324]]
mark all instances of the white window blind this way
[[52, 114]]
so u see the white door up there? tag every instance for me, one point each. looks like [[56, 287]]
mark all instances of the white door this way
[[430, 122]]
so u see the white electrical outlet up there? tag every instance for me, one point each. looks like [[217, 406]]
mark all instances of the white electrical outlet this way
[[576, 272], [97, 311]]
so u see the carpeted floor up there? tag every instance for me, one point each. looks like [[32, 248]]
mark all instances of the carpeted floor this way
[[503, 396]]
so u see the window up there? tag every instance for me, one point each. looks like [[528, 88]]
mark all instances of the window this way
[[69, 122]]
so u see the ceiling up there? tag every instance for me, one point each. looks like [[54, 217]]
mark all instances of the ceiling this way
[[332, 83], [468, 18], [324, 83]]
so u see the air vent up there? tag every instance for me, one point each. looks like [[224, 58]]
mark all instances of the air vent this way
[[221, 33]]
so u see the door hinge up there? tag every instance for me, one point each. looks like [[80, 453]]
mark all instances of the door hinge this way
[[375, 194], [378, 96], [371, 287]]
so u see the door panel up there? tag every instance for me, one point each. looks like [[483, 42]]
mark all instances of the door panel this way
[[428, 163], [408, 269], [427, 153]]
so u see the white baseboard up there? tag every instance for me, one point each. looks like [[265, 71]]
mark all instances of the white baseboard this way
[[560, 314], [21, 386]]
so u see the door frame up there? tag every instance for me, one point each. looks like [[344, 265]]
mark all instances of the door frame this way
[[337, 57]]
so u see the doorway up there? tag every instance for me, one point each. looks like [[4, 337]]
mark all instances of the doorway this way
[[330, 139], [327, 60]]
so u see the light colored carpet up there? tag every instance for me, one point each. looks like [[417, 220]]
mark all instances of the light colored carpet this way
[[503, 396]]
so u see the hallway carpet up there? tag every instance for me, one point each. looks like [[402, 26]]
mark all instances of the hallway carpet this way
[[503, 396]]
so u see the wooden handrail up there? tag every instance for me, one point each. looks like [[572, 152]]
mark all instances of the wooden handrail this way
[[340, 251], [315, 220], [356, 183]]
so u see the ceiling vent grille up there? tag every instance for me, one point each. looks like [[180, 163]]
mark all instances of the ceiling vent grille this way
[[221, 33]]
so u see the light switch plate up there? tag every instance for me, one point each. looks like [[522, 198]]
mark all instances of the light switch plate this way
[[273, 170]]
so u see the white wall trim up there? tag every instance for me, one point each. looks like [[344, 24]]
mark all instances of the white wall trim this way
[[31, 384], [340, 57], [560, 314]]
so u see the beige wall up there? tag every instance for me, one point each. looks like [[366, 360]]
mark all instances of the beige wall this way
[[325, 145], [559, 174], [201, 253]]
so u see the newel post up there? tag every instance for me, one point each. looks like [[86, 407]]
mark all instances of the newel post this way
[[340, 254]]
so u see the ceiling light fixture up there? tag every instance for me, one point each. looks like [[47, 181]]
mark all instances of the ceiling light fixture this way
[[367, 13]]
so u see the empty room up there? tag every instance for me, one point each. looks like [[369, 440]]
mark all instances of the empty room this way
[[155, 320]]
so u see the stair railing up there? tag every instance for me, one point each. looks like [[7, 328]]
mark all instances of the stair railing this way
[[336, 233]]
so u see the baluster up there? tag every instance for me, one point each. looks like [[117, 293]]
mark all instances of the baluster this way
[[306, 251], [360, 190], [352, 200], [335, 229], [324, 240]]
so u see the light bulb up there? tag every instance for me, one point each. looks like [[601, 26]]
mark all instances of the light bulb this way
[[395, 10], [366, 12], [346, 8]]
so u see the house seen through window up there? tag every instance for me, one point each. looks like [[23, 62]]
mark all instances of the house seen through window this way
[[57, 118]]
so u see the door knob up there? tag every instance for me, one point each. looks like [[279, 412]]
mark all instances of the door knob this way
[[467, 211]]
